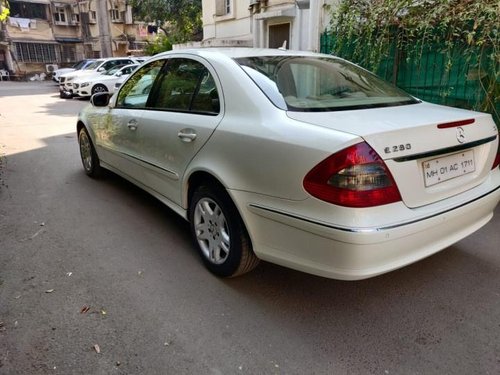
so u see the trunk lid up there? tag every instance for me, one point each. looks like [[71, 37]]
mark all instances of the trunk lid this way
[[432, 151]]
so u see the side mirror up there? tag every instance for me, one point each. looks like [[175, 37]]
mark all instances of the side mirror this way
[[119, 73], [101, 99], [101, 69]]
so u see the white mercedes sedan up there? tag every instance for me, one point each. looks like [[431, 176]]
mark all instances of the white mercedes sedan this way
[[300, 159], [89, 85]]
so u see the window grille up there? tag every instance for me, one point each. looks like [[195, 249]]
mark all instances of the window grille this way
[[68, 53], [37, 52], [137, 45]]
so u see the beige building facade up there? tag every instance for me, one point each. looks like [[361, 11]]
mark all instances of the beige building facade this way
[[41, 35], [293, 24]]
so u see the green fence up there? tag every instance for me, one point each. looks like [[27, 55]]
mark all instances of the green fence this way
[[456, 79]]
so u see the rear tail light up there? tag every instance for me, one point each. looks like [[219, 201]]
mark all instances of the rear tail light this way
[[353, 177], [496, 163]]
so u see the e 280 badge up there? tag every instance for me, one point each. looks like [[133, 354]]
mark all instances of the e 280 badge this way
[[397, 148]]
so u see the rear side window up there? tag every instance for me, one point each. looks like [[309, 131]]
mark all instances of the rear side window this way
[[186, 86], [134, 93]]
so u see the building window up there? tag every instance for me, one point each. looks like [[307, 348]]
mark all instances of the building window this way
[[92, 16], [60, 15], [36, 52], [75, 16], [137, 46], [223, 7], [279, 36], [32, 10], [68, 53], [115, 14]]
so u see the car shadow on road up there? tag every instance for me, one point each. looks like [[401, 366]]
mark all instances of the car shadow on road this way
[[109, 231]]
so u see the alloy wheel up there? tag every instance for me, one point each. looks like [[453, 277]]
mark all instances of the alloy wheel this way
[[211, 230], [85, 151]]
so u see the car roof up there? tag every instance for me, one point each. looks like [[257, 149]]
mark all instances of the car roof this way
[[240, 52], [129, 65]]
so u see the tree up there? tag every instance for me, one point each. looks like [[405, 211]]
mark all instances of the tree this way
[[179, 19], [4, 10], [462, 33]]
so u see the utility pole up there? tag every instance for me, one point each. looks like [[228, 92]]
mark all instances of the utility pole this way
[[104, 30]]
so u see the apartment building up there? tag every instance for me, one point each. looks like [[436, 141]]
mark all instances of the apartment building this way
[[294, 24], [42, 34]]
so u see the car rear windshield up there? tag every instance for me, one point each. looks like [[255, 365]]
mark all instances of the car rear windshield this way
[[314, 84]]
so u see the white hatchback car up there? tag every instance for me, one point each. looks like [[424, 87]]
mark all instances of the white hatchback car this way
[[300, 159]]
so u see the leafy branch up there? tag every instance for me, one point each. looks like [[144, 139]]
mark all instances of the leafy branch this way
[[4, 10], [464, 32]]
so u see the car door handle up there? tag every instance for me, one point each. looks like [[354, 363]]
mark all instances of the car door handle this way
[[132, 125], [187, 135]]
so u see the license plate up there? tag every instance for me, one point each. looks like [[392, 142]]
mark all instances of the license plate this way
[[443, 169]]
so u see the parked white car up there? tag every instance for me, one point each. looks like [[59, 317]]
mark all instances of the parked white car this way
[[87, 86], [78, 66], [296, 158], [98, 66]]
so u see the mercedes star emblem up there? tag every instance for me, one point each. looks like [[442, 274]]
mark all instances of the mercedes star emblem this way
[[460, 135]]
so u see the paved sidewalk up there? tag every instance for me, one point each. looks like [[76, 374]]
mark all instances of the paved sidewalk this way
[[8, 88]]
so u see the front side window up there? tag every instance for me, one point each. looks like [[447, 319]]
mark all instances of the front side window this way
[[309, 84], [186, 86], [134, 93]]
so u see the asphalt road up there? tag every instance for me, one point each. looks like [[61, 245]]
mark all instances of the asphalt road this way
[[69, 243]]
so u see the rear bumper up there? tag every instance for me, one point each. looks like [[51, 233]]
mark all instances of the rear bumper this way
[[357, 253]]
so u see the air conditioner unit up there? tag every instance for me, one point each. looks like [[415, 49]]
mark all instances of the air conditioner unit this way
[[50, 68]]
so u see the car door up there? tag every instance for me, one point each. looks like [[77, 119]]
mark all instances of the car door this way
[[182, 112], [116, 131]]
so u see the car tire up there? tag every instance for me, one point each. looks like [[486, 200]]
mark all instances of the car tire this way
[[99, 88], [90, 160], [219, 233], [64, 95]]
